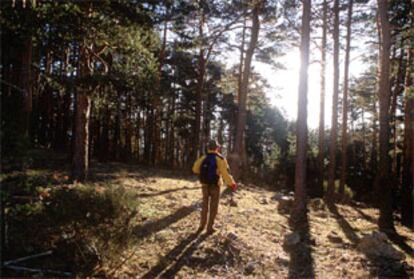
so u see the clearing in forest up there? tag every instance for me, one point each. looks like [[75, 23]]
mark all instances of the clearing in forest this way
[[253, 237]]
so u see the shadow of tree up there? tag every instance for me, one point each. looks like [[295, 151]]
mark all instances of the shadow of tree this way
[[182, 250], [365, 216], [380, 267], [185, 258], [146, 195], [348, 230], [151, 227], [400, 241], [301, 263]]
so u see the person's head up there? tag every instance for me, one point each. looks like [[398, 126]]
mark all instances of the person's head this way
[[213, 145]]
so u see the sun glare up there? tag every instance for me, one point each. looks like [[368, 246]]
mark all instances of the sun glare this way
[[284, 86]]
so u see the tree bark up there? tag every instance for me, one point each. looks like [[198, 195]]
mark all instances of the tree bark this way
[[104, 145], [80, 162], [128, 127], [344, 157], [26, 83], [302, 128], [385, 221], [156, 156], [240, 77], [117, 129], [399, 79], [171, 141], [242, 113], [321, 141], [199, 94], [408, 163], [138, 137], [147, 124], [374, 150], [333, 137], [364, 154]]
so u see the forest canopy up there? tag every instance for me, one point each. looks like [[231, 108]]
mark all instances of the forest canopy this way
[[149, 83]]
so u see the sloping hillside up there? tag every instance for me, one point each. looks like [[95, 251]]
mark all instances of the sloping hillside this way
[[250, 236], [253, 235]]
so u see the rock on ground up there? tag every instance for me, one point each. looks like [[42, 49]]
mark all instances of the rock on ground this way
[[290, 241], [285, 204], [377, 245]]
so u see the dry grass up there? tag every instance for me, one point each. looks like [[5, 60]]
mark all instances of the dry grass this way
[[248, 242], [249, 238]]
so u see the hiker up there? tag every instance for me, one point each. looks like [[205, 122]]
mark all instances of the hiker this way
[[211, 168]]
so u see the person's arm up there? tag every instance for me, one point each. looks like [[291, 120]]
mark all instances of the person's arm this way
[[223, 168], [197, 165]]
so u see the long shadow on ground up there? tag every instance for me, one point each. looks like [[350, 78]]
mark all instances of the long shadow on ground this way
[[348, 230], [364, 215], [146, 195], [301, 260], [379, 268], [400, 241], [183, 250], [177, 256], [151, 227]]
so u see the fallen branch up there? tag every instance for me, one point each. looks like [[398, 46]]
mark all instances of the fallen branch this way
[[47, 253], [36, 270]]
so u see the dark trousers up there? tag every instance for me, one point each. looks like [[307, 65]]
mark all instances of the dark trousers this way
[[211, 196]]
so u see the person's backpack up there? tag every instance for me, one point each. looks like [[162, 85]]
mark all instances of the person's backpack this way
[[208, 170]]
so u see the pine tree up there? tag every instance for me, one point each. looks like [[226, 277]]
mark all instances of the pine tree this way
[[302, 129], [333, 136], [385, 221], [344, 157]]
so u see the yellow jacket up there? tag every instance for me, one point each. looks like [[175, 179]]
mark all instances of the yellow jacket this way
[[222, 167]]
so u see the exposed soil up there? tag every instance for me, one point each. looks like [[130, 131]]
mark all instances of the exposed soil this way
[[249, 237], [250, 233]]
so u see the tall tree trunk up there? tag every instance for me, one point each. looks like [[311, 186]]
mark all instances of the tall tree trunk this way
[[206, 132], [242, 113], [364, 154], [199, 93], [334, 126], [321, 141], [147, 124], [138, 136], [412, 162], [128, 127], [92, 120], [408, 163], [220, 132], [80, 161], [26, 83], [117, 129], [344, 162], [171, 144], [240, 77], [385, 221], [157, 106], [374, 150], [80, 155], [399, 79], [104, 145], [302, 128]]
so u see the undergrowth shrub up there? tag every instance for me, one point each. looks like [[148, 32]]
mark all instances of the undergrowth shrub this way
[[348, 193], [86, 226]]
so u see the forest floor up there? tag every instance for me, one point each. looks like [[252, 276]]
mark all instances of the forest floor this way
[[250, 236]]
